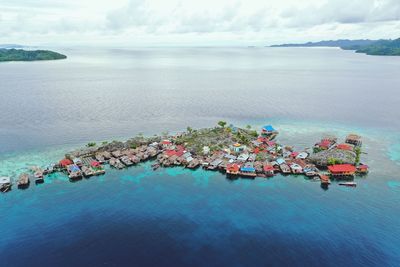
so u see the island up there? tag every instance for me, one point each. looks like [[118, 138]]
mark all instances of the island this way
[[28, 55], [369, 47], [234, 151]]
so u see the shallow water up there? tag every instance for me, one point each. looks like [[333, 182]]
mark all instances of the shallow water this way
[[176, 217]]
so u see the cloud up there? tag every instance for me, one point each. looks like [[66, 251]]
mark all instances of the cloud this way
[[163, 21]]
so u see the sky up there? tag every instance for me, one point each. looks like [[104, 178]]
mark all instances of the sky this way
[[194, 22]]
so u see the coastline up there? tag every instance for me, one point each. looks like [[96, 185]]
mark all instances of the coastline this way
[[238, 152]]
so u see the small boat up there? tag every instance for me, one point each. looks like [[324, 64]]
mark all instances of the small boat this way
[[5, 184], [353, 184], [155, 166]]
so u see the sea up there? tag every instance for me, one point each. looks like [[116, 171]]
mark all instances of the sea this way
[[181, 217]]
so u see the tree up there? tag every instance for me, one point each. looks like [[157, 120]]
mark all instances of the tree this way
[[248, 126], [358, 154], [91, 144], [189, 129], [222, 123]]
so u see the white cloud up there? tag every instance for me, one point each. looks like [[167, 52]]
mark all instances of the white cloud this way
[[197, 21]]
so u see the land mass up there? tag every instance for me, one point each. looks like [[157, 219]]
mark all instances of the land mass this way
[[369, 47], [235, 151], [27, 55]]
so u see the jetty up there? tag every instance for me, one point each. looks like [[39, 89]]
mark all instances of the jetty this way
[[231, 150]]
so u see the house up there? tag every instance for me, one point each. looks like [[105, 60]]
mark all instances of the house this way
[[252, 157], [214, 164], [296, 168], [233, 169], [230, 157], [342, 170], [248, 170], [302, 155], [280, 161], [362, 169], [77, 161], [267, 130], [65, 162], [243, 157], [354, 139], [268, 169], [237, 148]]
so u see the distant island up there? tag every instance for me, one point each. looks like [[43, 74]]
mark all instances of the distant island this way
[[27, 55], [369, 47]]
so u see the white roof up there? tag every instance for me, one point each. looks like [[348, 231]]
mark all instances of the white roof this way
[[5, 180]]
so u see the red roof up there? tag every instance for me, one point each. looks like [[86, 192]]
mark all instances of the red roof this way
[[233, 167], [294, 154], [256, 150], [180, 150], [344, 147], [95, 164], [166, 142], [65, 162], [325, 143], [268, 168], [341, 168]]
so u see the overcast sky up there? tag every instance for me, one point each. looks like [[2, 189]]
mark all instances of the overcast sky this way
[[194, 22]]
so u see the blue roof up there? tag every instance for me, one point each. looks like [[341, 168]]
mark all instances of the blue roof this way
[[247, 169], [73, 168], [269, 128], [280, 161]]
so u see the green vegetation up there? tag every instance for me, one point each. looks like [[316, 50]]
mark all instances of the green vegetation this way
[[358, 154], [222, 123], [104, 143], [91, 144], [24, 55], [378, 48], [215, 138], [369, 47], [333, 161]]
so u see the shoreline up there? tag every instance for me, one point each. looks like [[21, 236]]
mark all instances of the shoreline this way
[[237, 152]]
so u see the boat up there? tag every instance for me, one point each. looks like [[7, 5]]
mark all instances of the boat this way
[[5, 184], [352, 184], [23, 180], [155, 166], [324, 179], [38, 174]]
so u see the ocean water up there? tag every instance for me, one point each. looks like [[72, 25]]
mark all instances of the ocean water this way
[[178, 217]]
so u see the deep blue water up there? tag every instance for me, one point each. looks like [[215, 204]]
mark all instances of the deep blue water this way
[[177, 217]]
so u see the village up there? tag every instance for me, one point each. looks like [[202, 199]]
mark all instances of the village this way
[[236, 152]]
